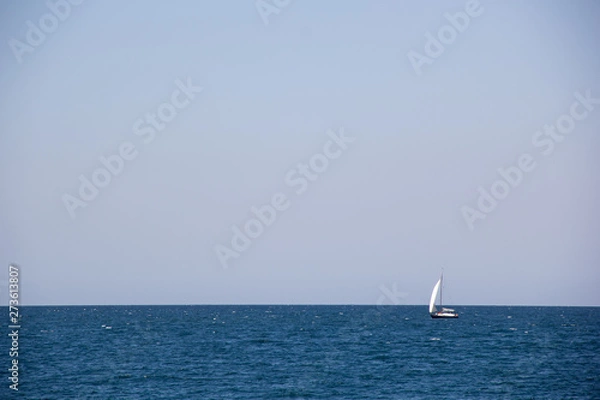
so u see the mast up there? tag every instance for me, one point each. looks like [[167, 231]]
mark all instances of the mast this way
[[441, 287]]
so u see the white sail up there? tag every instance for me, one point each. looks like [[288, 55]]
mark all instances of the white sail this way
[[434, 295]]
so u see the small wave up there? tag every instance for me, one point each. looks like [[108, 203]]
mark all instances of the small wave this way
[[435, 338]]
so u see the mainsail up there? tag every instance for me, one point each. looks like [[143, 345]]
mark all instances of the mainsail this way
[[434, 295]]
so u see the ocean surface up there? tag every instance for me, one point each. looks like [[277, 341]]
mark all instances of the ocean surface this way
[[305, 352]]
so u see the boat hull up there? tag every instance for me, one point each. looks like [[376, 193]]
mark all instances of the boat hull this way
[[444, 315]]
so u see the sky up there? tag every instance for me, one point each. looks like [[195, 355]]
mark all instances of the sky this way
[[300, 152]]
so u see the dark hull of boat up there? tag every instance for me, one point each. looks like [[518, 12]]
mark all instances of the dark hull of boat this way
[[444, 316]]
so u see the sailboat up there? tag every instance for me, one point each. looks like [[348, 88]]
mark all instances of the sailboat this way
[[433, 310]]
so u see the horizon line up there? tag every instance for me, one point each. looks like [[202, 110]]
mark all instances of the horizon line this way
[[296, 304]]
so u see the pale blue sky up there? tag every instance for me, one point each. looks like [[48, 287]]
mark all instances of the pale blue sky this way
[[387, 211]]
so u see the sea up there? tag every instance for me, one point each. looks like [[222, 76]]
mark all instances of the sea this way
[[304, 352]]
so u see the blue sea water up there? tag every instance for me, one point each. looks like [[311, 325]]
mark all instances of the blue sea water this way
[[305, 352]]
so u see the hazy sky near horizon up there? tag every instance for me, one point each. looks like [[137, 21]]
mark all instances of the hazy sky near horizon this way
[[385, 215]]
